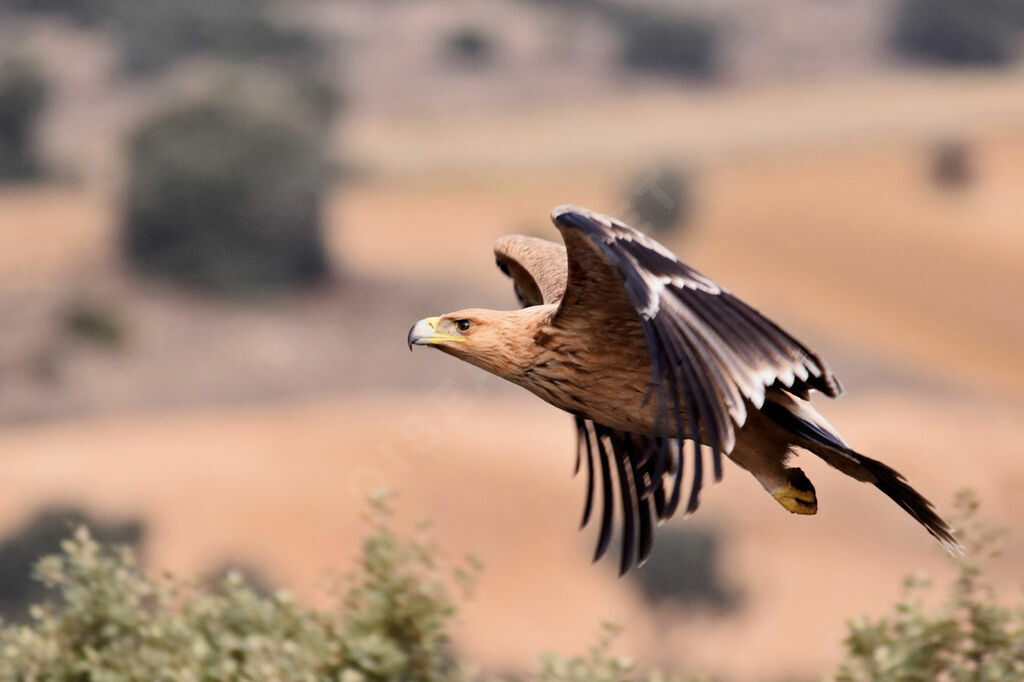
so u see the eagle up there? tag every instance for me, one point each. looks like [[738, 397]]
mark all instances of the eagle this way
[[660, 367]]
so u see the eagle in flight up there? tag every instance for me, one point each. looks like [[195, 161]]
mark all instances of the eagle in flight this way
[[659, 366]]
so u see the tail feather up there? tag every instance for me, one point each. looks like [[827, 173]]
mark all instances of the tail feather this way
[[813, 433], [893, 484]]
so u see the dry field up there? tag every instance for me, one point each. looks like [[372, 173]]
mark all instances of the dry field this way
[[279, 487], [914, 295]]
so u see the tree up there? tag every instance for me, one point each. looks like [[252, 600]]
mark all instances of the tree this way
[[226, 199], [23, 95]]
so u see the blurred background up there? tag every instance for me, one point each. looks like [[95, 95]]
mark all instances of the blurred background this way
[[219, 218]]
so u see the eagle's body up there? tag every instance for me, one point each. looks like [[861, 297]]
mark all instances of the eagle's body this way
[[582, 378], [649, 354]]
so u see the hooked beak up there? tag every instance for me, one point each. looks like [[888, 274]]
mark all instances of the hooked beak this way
[[424, 333]]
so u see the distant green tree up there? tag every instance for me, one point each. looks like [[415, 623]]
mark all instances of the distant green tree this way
[[952, 164], [470, 47], [227, 199], [23, 96], [664, 43], [94, 323], [657, 38], [959, 31], [685, 569], [155, 33], [85, 12]]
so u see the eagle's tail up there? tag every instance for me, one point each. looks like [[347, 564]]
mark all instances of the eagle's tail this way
[[810, 431]]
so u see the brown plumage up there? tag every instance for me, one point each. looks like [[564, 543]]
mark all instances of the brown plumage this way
[[652, 359]]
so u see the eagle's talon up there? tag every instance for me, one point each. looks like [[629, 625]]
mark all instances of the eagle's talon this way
[[798, 495]]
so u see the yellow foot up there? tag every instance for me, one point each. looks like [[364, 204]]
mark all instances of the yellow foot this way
[[798, 496]]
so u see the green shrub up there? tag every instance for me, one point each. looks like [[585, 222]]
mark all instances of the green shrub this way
[[952, 166], [397, 610], [469, 47], [970, 637], [84, 12], [656, 37], [95, 324], [599, 665], [42, 535], [958, 31], [226, 199], [155, 33], [23, 95], [684, 568], [668, 45], [112, 622]]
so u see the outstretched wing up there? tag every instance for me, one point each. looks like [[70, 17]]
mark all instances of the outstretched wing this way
[[710, 353]]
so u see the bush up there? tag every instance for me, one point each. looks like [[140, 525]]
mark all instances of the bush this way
[[959, 32], [396, 611], [94, 324], [114, 623], [155, 33], [469, 47], [84, 12], [668, 45], [598, 666], [658, 40], [951, 164], [226, 199], [970, 637], [684, 569], [660, 199], [42, 535], [23, 94]]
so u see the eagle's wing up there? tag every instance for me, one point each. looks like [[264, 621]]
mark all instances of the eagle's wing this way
[[710, 352], [538, 269], [639, 470]]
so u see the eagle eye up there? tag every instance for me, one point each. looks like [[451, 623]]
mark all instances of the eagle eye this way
[[503, 268], [463, 325]]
